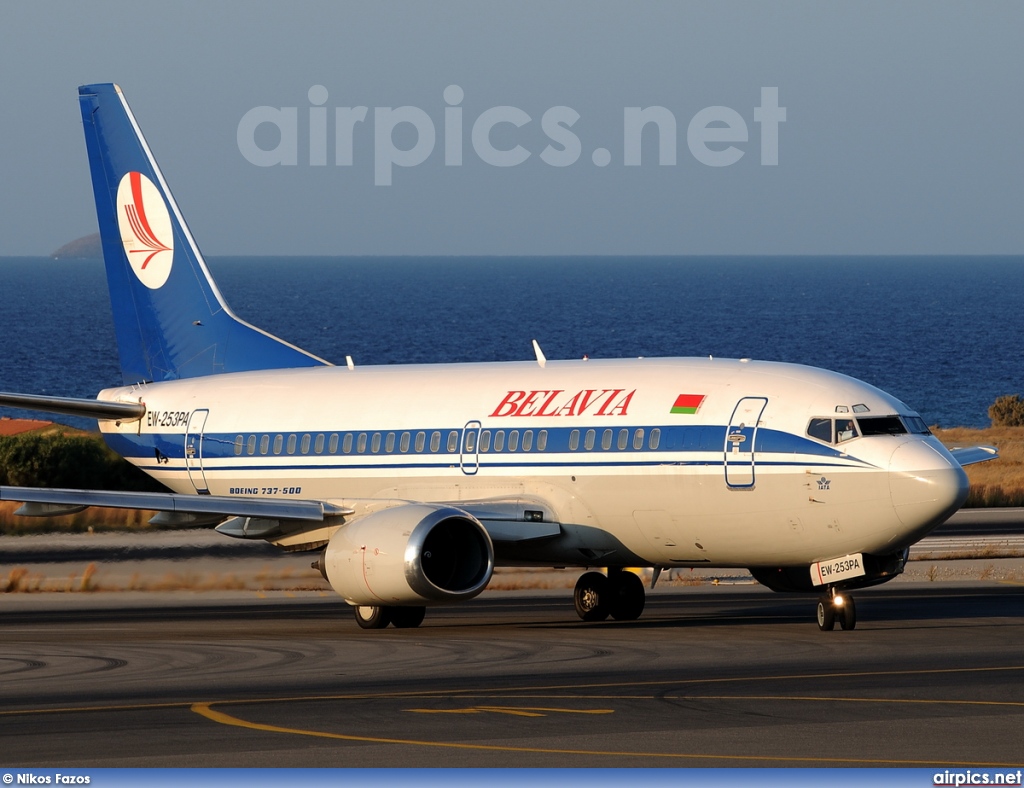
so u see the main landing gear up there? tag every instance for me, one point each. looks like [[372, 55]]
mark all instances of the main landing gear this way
[[373, 617], [620, 595], [836, 606]]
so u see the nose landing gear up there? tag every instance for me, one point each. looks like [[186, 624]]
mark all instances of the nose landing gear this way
[[836, 606]]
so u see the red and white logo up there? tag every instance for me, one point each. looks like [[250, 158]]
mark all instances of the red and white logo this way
[[145, 229]]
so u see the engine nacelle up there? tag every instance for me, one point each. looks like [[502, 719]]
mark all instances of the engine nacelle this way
[[415, 554]]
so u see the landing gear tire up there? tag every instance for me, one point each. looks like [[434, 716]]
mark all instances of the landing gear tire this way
[[593, 597], [407, 617], [372, 617], [628, 596], [847, 614], [826, 614]]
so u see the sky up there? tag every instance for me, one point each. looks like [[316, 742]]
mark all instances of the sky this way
[[899, 126]]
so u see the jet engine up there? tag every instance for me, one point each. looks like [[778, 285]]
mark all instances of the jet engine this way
[[413, 554]]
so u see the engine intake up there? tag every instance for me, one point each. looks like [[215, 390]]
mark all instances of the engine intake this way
[[415, 554]]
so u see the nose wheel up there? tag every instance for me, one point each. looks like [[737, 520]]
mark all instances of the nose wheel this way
[[836, 606]]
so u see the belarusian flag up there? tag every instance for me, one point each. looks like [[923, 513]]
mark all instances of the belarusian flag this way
[[687, 403]]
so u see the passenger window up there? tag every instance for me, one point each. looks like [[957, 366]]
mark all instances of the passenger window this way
[[361, 443], [470, 442], [527, 440], [485, 441], [346, 444], [251, 446], [606, 440], [513, 440], [453, 442], [638, 439], [821, 429], [304, 447], [318, 445], [574, 440], [403, 445], [542, 440], [278, 443], [655, 438], [292, 440], [264, 444], [421, 441], [389, 443], [375, 443], [846, 429], [435, 442], [332, 447], [588, 441], [238, 445], [623, 439], [499, 440]]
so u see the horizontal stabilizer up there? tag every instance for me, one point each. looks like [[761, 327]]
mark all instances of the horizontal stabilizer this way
[[69, 406], [968, 455]]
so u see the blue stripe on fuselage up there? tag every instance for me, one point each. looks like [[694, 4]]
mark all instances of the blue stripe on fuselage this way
[[673, 439]]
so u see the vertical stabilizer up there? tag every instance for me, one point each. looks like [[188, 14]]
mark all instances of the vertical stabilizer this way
[[171, 320]]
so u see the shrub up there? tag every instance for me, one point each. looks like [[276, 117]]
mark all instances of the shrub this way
[[1007, 411], [57, 460]]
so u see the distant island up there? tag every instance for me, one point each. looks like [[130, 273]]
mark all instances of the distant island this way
[[86, 248]]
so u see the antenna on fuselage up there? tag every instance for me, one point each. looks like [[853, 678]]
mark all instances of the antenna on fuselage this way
[[541, 358]]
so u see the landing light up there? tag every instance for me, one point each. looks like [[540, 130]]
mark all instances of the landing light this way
[[838, 601]]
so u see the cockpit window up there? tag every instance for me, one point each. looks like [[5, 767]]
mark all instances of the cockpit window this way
[[833, 431], [917, 425], [820, 429], [846, 429], [882, 425]]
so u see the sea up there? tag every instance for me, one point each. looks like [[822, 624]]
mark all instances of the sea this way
[[943, 334]]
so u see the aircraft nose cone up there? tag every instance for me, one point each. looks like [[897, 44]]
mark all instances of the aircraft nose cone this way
[[927, 485]]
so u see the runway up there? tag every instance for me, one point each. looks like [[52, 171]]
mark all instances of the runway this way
[[728, 676]]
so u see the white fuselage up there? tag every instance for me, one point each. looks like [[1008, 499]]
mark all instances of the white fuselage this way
[[670, 461]]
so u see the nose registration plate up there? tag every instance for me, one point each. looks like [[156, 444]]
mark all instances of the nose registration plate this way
[[837, 569]]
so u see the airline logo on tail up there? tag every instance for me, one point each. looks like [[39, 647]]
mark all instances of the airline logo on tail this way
[[145, 228]]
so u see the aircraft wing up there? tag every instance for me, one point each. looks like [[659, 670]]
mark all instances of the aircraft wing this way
[[41, 502], [287, 523], [968, 455]]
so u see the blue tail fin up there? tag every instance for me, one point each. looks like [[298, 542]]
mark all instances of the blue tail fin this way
[[171, 320]]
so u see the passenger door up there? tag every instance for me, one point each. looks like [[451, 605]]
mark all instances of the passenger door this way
[[469, 448], [740, 435], [194, 450]]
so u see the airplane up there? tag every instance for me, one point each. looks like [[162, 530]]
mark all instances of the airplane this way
[[411, 483]]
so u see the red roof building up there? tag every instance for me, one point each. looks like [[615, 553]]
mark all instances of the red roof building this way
[[9, 426]]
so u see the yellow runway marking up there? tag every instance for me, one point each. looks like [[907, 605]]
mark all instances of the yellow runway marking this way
[[116, 707], [204, 710], [517, 711]]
